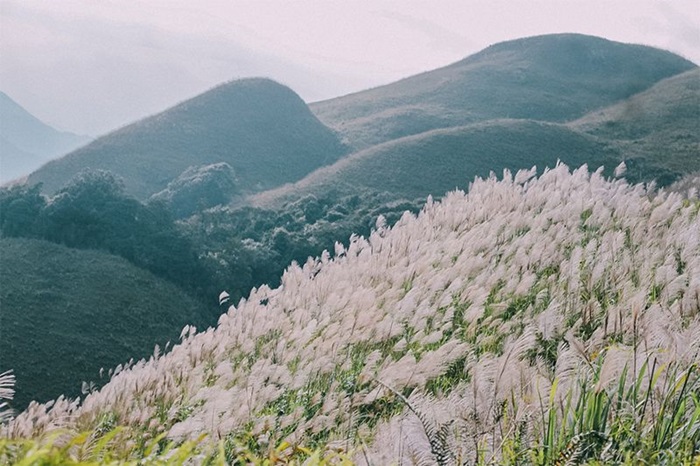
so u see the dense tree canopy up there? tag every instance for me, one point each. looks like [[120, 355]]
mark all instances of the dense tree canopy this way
[[199, 188], [215, 249], [251, 246], [92, 212]]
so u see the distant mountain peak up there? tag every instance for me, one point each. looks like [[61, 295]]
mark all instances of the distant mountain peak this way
[[586, 54], [548, 40], [261, 128], [26, 142], [246, 90], [555, 77]]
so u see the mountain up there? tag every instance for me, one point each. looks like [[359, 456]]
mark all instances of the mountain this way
[[269, 138], [15, 162], [529, 321], [67, 312], [657, 130], [553, 78], [262, 129], [26, 143], [438, 161]]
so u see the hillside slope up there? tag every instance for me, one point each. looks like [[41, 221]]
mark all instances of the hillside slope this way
[[437, 161], [658, 130], [554, 78], [66, 313], [26, 142], [262, 129], [489, 304]]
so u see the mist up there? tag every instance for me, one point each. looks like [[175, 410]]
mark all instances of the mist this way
[[90, 67]]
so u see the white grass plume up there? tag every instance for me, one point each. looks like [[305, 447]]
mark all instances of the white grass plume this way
[[456, 295]]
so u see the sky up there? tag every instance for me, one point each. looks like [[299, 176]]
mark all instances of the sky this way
[[90, 66]]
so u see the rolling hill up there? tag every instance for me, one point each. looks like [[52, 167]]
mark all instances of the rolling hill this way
[[552, 78], [262, 129], [267, 135], [438, 161], [66, 313], [657, 130], [26, 143]]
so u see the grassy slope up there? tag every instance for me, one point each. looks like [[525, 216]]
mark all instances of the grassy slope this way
[[657, 133], [658, 129], [67, 312], [552, 78], [438, 161], [498, 303], [261, 128]]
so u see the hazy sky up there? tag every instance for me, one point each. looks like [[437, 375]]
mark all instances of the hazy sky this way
[[89, 66]]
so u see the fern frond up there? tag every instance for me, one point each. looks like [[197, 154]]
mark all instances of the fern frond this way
[[437, 436]]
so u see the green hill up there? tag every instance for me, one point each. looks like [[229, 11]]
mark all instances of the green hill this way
[[26, 142], [658, 130], [262, 129], [435, 162], [554, 78], [66, 313]]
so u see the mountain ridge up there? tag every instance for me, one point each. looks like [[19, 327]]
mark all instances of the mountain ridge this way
[[448, 158], [562, 77], [656, 132], [658, 129], [26, 142], [224, 124]]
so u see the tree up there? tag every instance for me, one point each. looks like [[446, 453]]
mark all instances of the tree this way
[[199, 188], [20, 211]]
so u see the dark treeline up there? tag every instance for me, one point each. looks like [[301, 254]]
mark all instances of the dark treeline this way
[[215, 249], [92, 212], [251, 246]]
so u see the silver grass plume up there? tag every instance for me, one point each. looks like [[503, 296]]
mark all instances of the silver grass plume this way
[[437, 434]]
